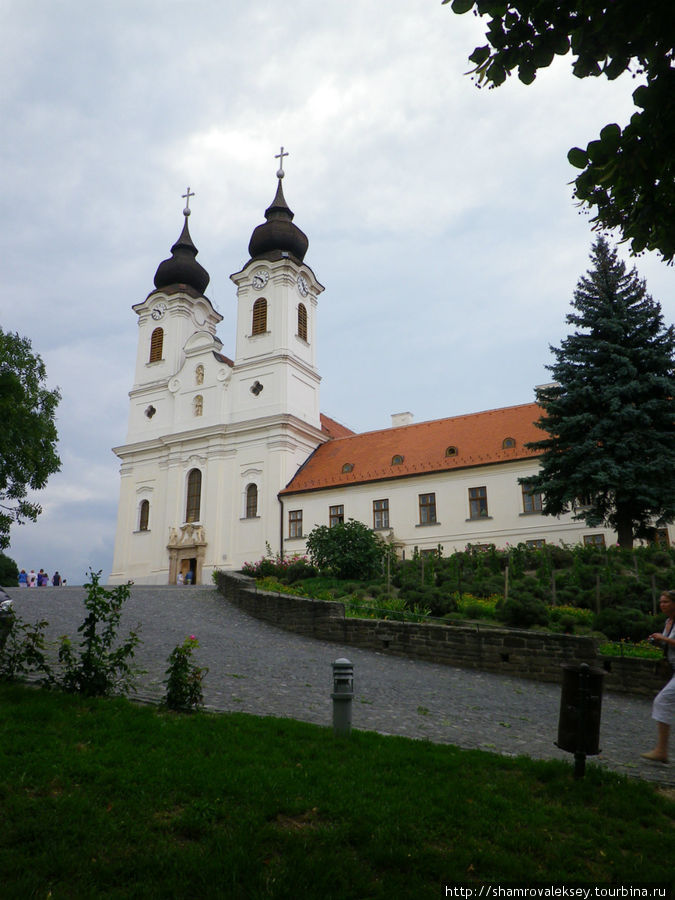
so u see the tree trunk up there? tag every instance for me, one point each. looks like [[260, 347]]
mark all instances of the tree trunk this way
[[624, 530]]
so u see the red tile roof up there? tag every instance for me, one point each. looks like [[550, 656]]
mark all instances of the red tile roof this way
[[478, 439], [332, 428]]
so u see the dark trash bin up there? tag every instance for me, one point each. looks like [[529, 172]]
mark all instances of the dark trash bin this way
[[580, 709]]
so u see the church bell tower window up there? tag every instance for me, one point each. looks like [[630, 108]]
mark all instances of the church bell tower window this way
[[156, 345], [302, 321], [144, 515], [259, 324]]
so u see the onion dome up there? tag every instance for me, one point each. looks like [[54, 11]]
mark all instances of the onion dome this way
[[278, 236], [182, 267]]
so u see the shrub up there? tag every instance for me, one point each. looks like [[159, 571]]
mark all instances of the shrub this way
[[184, 681], [24, 652], [100, 668], [523, 611], [573, 613], [349, 549], [623, 623], [477, 607], [9, 571]]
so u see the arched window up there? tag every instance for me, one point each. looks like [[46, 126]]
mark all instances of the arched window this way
[[302, 321], [396, 460], [194, 496], [251, 501], [156, 345], [451, 451], [144, 515], [259, 325], [508, 443]]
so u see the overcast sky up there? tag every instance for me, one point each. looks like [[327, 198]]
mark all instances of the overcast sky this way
[[440, 217]]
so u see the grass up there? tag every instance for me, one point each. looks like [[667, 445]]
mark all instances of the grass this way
[[104, 798]]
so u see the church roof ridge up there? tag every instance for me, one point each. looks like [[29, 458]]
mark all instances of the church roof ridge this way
[[431, 422]]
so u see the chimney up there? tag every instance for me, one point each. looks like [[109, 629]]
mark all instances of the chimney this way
[[399, 419]]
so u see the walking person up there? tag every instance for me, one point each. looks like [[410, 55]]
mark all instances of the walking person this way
[[663, 708]]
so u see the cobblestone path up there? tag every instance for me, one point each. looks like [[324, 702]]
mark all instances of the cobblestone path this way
[[257, 668]]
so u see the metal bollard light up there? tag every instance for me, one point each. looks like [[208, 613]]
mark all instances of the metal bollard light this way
[[343, 693]]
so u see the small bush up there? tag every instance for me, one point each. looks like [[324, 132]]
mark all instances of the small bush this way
[[9, 571], [523, 612], [24, 652], [100, 666], [577, 616], [184, 678], [623, 623]]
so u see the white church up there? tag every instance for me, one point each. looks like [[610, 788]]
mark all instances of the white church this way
[[228, 458]]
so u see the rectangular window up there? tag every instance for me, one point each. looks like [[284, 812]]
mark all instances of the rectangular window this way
[[538, 544], [478, 508], [336, 515], [661, 537], [594, 540], [380, 514], [295, 523], [532, 500], [427, 509], [481, 548]]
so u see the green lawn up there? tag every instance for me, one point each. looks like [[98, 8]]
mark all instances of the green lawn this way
[[105, 798]]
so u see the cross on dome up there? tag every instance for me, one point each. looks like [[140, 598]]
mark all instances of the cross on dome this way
[[186, 196], [280, 157]]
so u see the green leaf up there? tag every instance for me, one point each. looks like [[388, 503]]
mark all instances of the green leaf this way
[[577, 158], [461, 6], [480, 54], [611, 137]]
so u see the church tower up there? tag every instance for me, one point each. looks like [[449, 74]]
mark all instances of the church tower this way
[[275, 383], [211, 441]]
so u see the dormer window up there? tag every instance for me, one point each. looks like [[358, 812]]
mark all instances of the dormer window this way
[[156, 345], [396, 460], [259, 324], [451, 451], [508, 443], [348, 467]]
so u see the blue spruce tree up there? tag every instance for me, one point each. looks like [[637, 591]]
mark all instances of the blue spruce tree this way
[[610, 413]]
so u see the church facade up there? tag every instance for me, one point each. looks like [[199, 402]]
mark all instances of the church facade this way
[[226, 459]]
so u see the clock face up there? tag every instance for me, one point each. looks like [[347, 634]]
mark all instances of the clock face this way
[[260, 279], [303, 287], [158, 311]]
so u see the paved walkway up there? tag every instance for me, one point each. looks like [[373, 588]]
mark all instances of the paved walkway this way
[[257, 668]]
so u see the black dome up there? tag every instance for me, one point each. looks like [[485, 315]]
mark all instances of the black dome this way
[[278, 234], [182, 267]]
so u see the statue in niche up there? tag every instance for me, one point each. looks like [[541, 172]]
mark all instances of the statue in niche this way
[[199, 374], [199, 405]]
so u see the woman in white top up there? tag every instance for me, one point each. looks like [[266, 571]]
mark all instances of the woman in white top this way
[[663, 709]]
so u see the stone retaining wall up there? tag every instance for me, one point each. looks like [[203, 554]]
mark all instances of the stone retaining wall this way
[[525, 654]]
